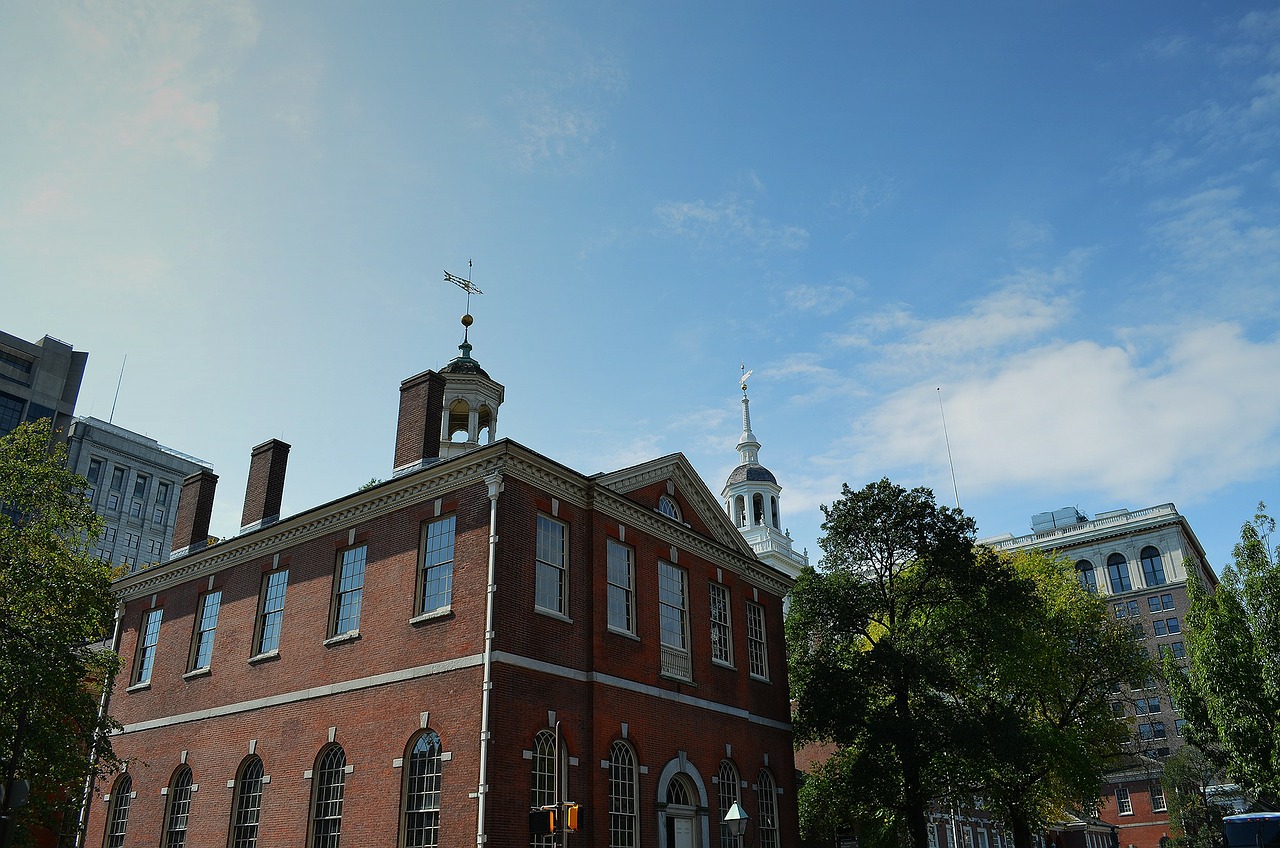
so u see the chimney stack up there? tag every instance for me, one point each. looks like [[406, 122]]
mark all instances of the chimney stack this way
[[195, 510], [418, 428], [263, 495]]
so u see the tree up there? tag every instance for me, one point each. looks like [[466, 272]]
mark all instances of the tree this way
[[1041, 696], [56, 601], [1233, 672], [940, 669], [871, 637]]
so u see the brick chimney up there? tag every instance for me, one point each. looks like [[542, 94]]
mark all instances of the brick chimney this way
[[195, 510], [418, 428], [265, 491]]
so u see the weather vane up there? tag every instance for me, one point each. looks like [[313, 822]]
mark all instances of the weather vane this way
[[745, 375], [466, 285]]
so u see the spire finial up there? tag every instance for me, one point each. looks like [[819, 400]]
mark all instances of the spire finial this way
[[747, 445]]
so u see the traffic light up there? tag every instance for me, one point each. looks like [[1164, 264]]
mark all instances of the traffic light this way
[[542, 822], [571, 817]]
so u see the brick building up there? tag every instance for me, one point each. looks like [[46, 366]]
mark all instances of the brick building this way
[[393, 667]]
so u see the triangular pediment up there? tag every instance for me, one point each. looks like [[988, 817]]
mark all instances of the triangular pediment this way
[[676, 469]]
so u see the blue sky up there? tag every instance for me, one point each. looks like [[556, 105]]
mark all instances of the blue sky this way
[[1066, 216]]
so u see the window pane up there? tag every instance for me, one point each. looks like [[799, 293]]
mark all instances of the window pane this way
[[422, 795], [179, 809], [727, 785], [721, 635], [350, 589], [203, 652], [118, 820], [621, 585], [147, 644], [622, 796], [549, 591], [248, 806], [437, 565], [1152, 567], [756, 646], [542, 783], [273, 610], [330, 782]]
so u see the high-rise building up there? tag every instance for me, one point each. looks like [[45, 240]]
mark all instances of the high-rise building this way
[[1140, 561], [134, 484], [38, 380]]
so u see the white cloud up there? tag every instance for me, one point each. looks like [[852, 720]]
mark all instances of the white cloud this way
[[1084, 416], [730, 220], [804, 297]]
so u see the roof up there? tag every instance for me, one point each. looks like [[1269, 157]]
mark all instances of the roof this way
[[751, 472], [464, 365]]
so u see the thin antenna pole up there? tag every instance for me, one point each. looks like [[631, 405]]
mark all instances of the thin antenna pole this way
[[111, 418], [954, 489]]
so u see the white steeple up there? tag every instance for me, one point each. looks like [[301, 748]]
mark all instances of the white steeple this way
[[752, 497], [471, 401]]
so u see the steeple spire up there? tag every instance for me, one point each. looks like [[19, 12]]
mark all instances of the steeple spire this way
[[748, 447]]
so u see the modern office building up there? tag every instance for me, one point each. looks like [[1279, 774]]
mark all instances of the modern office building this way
[[38, 380], [134, 484], [1140, 561], [424, 662]]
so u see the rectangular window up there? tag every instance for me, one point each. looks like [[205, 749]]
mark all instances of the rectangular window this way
[[721, 631], [206, 626], [140, 485], [149, 636], [95, 471], [162, 493], [113, 501], [1173, 625], [157, 516], [1139, 632], [673, 620], [109, 535], [135, 509], [1122, 802], [621, 576], [271, 616], [1117, 709], [131, 540], [1119, 610], [1178, 724], [1166, 601], [1157, 730], [347, 591], [549, 593], [117, 479], [757, 648], [1157, 798], [154, 547], [1159, 627], [435, 579], [1179, 650], [1133, 608]]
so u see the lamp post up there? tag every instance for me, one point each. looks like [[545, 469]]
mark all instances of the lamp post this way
[[735, 821]]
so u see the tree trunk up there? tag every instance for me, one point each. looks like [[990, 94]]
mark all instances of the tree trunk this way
[[1021, 830]]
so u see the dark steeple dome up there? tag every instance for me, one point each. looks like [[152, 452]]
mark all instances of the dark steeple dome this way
[[751, 472]]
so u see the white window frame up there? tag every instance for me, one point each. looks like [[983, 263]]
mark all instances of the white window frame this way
[[1124, 806], [206, 629], [757, 642], [547, 568], [673, 608], [435, 565], [721, 623], [620, 573]]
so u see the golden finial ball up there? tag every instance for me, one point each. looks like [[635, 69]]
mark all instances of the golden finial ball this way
[[467, 320]]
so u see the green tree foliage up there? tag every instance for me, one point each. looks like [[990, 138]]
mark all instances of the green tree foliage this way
[[1233, 673], [872, 636], [1187, 776], [1040, 695], [939, 669], [56, 601]]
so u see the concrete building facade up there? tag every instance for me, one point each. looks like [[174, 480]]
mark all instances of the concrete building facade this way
[[134, 484], [423, 662], [38, 380]]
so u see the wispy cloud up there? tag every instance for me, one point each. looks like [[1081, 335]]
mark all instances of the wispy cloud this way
[[730, 220], [825, 300], [563, 117], [1203, 413]]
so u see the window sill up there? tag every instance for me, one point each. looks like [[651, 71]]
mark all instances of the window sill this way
[[724, 664], [626, 634], [197, 672], [349, 636], [760, 679], [442, 612], [265, 656], [138, 687], [559, 616], [687, 681]]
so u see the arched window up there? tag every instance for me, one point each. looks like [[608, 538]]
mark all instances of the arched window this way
[[667, 506], [329, 779], [1118, 573], [679, 793], [248, 805], [118, 817], [768, 799], [1152, 567], [622, 796], [757, 508], [484, 429], [459, 420], [740, 511], [542, 788], [773, 504], [1088, 577], [421, 822], [178, 808], [727, 784]]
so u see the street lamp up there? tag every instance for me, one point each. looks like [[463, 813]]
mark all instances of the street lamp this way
[[735, 820]]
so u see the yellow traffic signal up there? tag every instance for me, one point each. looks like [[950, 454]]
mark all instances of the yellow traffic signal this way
[[571, 817]]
